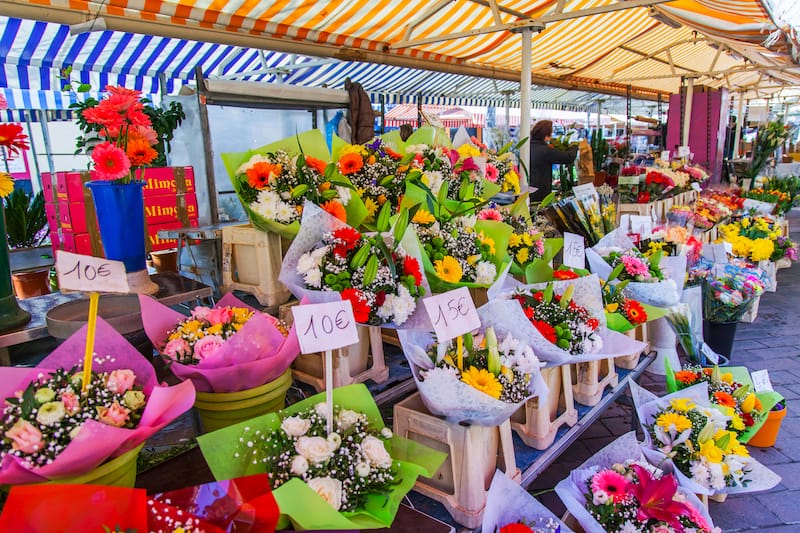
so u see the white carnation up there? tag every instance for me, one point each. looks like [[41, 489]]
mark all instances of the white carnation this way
[[485, 272], [313, 278], [306, 262]]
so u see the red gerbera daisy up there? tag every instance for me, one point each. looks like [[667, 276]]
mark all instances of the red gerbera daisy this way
[[564, 274], [359, 302], [411, 268], [110, 162], [104, 116], [347, 239], [12, 138], [634, 312], [547, 331], [516, 528]]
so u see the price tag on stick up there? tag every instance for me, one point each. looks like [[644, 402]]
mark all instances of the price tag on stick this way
[[325, 327], [761, 382], [574, 251], [452, 313]]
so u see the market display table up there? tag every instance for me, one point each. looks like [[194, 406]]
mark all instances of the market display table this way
[[190, 468], [31, 259], [173, 289]]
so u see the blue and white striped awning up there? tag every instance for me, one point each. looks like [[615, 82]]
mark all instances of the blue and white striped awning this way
[[33, 54]]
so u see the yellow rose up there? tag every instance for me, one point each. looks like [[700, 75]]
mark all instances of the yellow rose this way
[[612, 307]]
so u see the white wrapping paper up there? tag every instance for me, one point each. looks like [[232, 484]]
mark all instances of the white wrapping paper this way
[[314, 224], [508, 503], [587, 293], [572, 489], [648, 404]]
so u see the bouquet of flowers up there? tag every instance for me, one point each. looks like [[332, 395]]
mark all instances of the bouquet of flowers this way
[[783, 202], [608, 208], [784, 248], [379, 274], [484, 384], [434, 166], [52, 428], [657, 185], [274, 181], [767, 141], [352, 478], [510, 509], [623, 313], [685, 429], [631, 265], [696, 174], [501, 169], [732, 392], [618, 491], [372, 170], [751, 237], [629, 182], [728, 296], [227, 348]]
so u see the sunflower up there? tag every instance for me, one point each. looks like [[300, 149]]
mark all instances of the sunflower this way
[[448, 269], [669, 420], [483, 380], [350, 163], [6, 184]]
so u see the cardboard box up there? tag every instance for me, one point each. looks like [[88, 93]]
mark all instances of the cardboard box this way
[[156, 243], [163, 208], [52, 216], [48, 188], [69, 186], [162, 180]]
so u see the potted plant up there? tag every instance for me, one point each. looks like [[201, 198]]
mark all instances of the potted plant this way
[[26, 227]]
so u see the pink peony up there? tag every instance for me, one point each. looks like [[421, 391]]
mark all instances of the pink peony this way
[[120, 381], [207, 346], [200, 312], [220, 315], [177, 348], [25, 437], [491, 173], [116, 415], [71, 403]]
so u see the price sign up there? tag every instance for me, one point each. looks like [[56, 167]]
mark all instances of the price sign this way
[[587, 189], [665, 155], [683, 151], [762, 207], [709, 354], [325, 326], [696, 186], [574, 251], [643, 225], [86, 273], [452, 313], [761, 382]]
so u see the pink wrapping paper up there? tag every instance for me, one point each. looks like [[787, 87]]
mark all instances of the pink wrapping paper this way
[[257, 354], [96, 441]]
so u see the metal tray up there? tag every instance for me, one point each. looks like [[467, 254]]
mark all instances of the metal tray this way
[[120, 310]]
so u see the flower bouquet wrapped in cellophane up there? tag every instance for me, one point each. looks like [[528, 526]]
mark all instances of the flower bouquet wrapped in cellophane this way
[[728, 296], [686, 431], [731, 389], [510, 509], [623, 313], [239, 347], [315, 480], [52, 433], [380, 273], [618, 490], [274, 181], [584, 338], [496, 374]]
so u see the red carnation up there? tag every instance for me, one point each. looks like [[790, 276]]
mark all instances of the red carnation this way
[[547, 331], [411, 268], [361, 309], [538, 296], [347, 238], [593, 323]]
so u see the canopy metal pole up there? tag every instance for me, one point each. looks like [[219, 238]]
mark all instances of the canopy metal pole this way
[[687, 114], [508, 111], [36, 183], [525, 94], [737, 136]]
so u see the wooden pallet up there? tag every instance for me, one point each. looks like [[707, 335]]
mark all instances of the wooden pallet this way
[[351, 364], [629, 362], [589, 380], [538, 421], [251, 262], [473, 454]]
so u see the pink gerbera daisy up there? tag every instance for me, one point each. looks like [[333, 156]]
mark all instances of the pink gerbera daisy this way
[[612, 483], [110, 162], [491, 173], [635, 266], [490, 214]]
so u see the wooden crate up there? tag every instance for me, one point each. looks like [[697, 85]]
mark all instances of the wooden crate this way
[[538, 421], [589, 380], [752, 313], [632, 209], [473, 454], [251, 262], [629, 362], [352, 364]]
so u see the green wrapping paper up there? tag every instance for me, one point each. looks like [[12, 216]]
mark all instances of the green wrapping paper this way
[[228, 456], [617, 322], [311, 143], [741, 375]]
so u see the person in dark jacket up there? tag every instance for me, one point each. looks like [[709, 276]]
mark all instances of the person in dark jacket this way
[[543, 157]]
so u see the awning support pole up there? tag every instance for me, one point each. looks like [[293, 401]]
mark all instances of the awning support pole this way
[[737, 136], [687, 114], [525, 95]]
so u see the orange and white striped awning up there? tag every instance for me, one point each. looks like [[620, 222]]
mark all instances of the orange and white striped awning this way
[[599, 45]]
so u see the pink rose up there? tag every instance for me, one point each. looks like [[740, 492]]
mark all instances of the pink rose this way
[[25, 437], [205, 347], [200, 312], [120, 381], [220, 315], [116, 415], [177, 348], [70, 401]]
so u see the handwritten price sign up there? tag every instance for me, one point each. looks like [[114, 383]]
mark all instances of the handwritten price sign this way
[[452, 313], [574, 251], [325, 326], [86, 273]]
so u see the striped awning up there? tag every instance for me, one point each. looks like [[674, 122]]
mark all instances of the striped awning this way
[[450, 116]]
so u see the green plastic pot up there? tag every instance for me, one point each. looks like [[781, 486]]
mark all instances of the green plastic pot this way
[[118, 472], [221, 409]]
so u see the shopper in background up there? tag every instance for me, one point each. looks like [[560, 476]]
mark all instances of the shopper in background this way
[[543, 157]]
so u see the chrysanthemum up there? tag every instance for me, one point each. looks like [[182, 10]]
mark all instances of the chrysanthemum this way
[[350, 163], [423, 217], [336, 209], [612, 483], [670, 420], [682, 404], [110, 162], [448, 269], [482, 380], [372, 207]]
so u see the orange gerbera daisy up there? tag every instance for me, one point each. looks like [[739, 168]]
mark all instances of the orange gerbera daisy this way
[[724, 399], [336, 209], [140, 152], [350, 163], [686, 376], [261, 173], [634, 312], [317, 164]]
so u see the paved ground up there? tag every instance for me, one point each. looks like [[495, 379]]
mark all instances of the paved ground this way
[[771, 342]]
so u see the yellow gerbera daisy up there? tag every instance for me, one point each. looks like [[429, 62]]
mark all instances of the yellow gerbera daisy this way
[[681, 404], [423, 217], [669, 420], [448, 269], [6, 184], [710, 451], [482, 380], [487, 241], [467, 150]]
